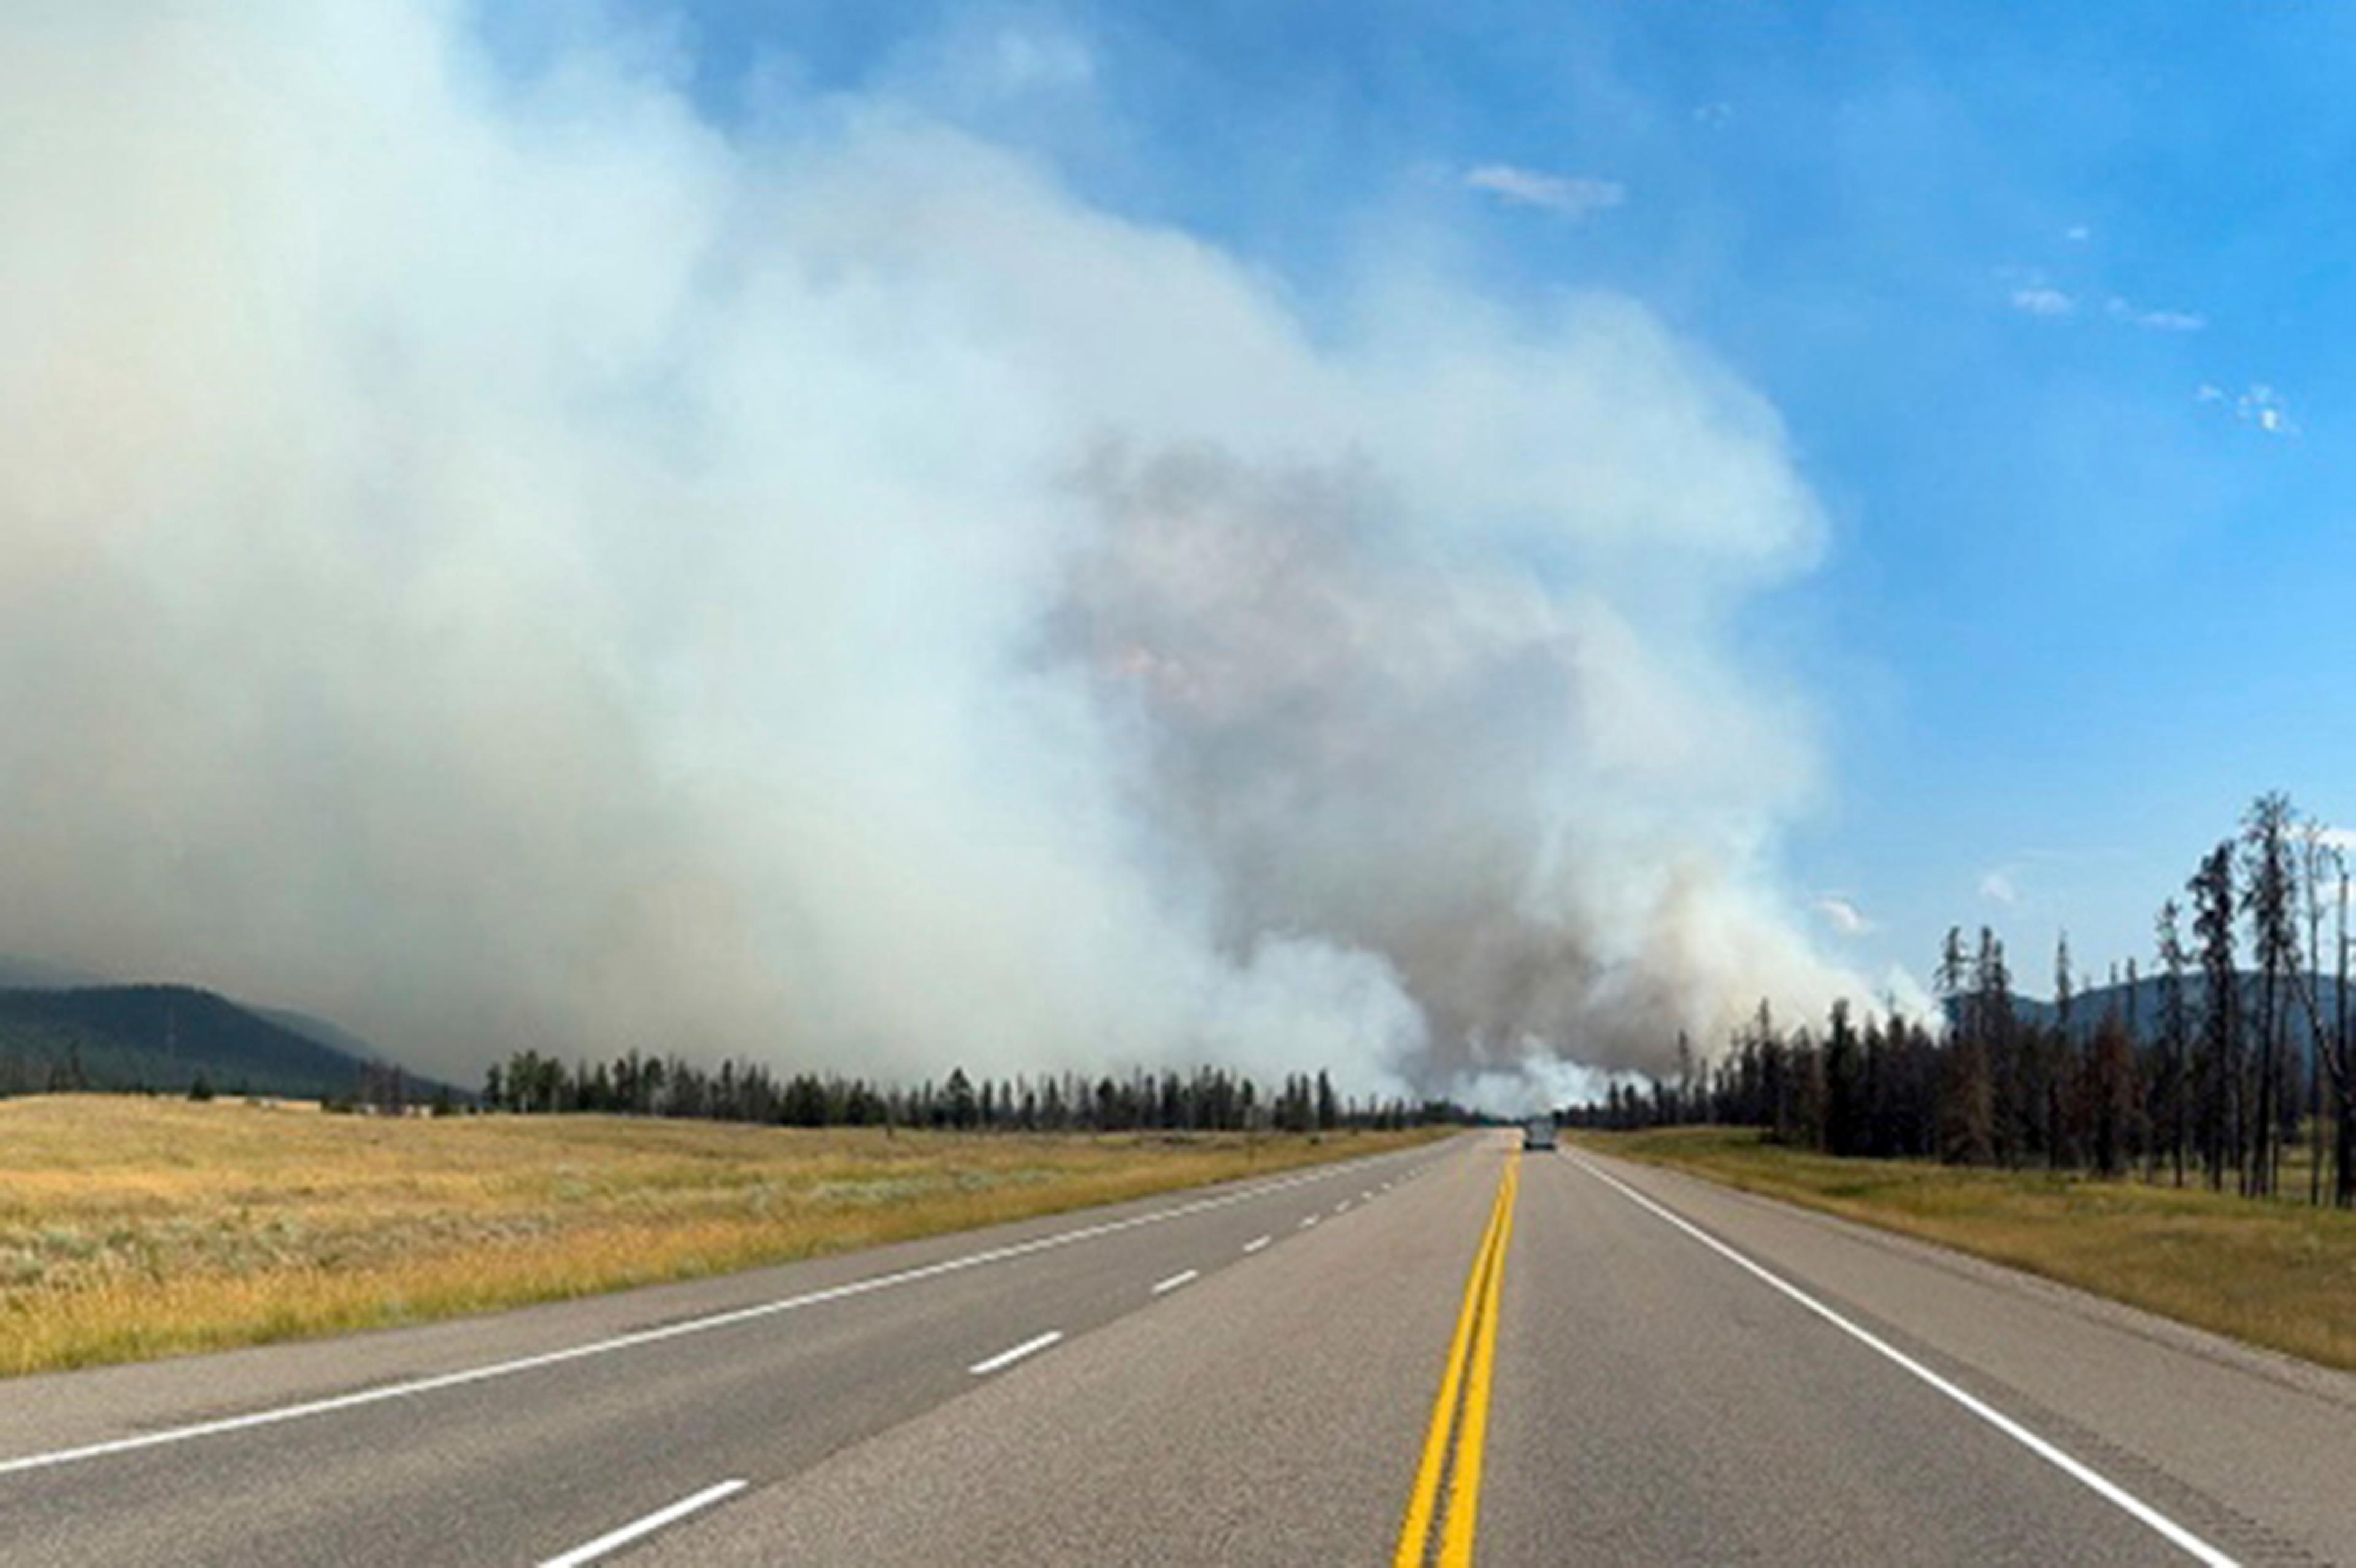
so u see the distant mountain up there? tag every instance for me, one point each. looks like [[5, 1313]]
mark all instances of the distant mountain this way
[[164, 1037], [2139, 1004]]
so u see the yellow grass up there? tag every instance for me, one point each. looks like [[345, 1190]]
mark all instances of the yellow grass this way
[[134, 1228], [2278, 1273]]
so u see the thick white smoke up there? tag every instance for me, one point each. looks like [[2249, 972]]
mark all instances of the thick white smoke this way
[[514, 564]]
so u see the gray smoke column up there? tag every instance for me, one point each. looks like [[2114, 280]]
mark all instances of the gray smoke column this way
[[509, 562], [1418, 744]]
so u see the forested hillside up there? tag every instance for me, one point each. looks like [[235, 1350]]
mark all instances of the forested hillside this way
[[164, 1037], [2140, 1007]]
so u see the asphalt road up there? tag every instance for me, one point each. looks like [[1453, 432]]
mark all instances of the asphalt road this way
[[1626, 1366]]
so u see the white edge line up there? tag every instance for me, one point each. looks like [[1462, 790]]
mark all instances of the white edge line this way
[[460, 1379], [1008, 1358], [612, 1541], [2102, 1486], [1175, 1280], [1257, 1243]]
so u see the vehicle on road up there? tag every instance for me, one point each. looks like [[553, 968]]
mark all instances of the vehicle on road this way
[[1538, 1133]]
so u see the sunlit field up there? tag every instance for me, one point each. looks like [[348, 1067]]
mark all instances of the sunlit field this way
[[131, 1228], [2278, 1273]]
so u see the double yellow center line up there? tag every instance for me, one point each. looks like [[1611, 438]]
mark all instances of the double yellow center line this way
[[1462, 1409]]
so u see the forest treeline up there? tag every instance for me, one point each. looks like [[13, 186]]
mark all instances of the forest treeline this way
[[1206, 1100], [2246, 1053]]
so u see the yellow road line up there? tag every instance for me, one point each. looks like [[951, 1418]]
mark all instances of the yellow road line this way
[[1465, 1492], [1476, 1321], [1424, 1497]]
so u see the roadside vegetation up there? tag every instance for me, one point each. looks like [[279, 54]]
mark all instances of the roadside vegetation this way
[[2280, 1274], [131, 1228], [2231, 1067], [2182, 1139]]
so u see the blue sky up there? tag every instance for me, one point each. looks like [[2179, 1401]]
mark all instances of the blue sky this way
[[2051, 302]]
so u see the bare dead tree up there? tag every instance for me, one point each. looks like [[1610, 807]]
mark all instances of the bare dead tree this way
[[2217, 1068]]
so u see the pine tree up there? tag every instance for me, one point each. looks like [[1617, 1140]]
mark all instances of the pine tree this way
[[1967, 1097], [2269, 899], [2313, 867], [2110, 1072], [962, 1108], [2058, 1073], [2172, 1118], [1845, 1131], [2217, 1071], [2342, 1056]]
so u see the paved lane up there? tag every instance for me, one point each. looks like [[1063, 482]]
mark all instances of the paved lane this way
[[1269, 1415], [1660, 1405], [1650, 1401], [532, 1461], [2250, 1451], [1649, 1368]]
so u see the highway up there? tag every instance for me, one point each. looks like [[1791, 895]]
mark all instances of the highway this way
[[1456, 1353]]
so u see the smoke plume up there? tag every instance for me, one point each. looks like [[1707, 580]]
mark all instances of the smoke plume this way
[[507, 560]]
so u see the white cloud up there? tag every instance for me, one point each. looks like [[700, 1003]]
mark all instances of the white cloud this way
[[2259, 406], [2033, 295], [2078, 233], [2119, 309], [1715, 115], [575, 574], [1998, 885], [1843, 916], [2264, 407], [1573, 195]]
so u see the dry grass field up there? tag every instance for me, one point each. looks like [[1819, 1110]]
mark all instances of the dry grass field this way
[[2275, 1273], [133, 1228]]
